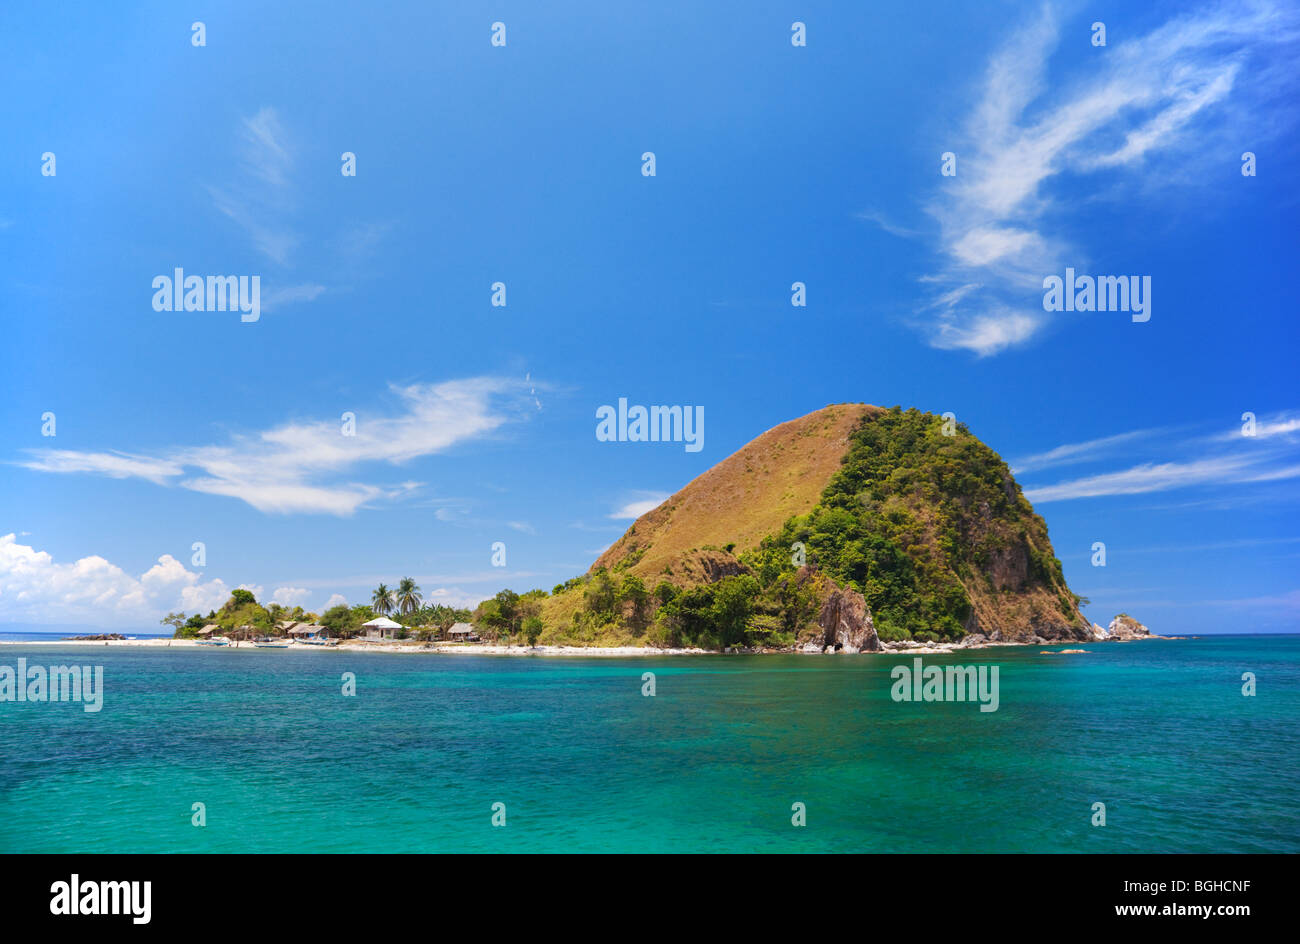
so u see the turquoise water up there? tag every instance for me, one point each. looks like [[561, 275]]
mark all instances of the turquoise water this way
[[1158, 731]]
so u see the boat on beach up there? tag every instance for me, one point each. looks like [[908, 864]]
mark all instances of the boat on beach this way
[[214, 641], [269, 642]]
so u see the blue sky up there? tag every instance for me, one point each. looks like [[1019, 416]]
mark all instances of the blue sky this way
[[523, 164]]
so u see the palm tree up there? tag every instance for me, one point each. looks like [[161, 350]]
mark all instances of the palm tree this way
[[408, 596], [381, 601]]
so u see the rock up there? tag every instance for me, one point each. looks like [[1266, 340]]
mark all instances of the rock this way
[[1099, 632], [1124, 627], [846, 623]]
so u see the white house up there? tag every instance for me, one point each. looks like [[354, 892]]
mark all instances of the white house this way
[[381, 628]]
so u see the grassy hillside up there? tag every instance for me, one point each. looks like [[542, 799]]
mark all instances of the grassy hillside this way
[[745, 497], [920, 517]]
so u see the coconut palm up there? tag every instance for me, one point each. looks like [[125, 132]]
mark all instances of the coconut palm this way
[[381, 601], [408, 596]]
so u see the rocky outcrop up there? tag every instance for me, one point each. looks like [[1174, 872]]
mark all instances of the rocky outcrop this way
[[846, 623], [707, 566], [1124, 627]]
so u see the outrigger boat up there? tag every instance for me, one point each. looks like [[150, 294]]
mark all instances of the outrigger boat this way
[[217, 641], [316, 642], [270, 642]]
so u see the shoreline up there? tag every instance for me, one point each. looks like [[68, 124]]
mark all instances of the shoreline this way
[[494, 649]]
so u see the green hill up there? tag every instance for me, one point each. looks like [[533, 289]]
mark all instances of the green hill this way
[[922, 519]]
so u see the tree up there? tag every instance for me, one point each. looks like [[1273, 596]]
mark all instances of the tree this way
[[508, 610], [634, 592], [601, 597], [174, 620], [345, 621], [408, 596], [533, 630], [238, 598], [487, 617], [732, 605], [381, 601]]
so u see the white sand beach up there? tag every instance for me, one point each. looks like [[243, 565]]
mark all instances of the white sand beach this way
[[493, 649]]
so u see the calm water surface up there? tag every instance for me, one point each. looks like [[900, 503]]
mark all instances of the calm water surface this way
[[1158, 731]]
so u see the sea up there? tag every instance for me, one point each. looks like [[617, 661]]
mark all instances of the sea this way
[[1149, 746]]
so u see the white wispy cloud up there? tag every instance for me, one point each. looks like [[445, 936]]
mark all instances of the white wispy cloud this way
[[260, 199], [636, 507], [1268, 426], [276, 296], [893, 229], [263, 200], [296, 467], [1143, 97], [117, 465], [1201, 460], [1079, 452]]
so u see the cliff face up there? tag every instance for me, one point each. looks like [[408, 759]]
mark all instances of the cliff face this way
[[913, 527], [929, 524], [846, 623]]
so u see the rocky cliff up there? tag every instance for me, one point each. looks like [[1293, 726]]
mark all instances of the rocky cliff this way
[[1124, 628]]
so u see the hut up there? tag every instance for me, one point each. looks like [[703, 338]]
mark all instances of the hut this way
[[462, 632]]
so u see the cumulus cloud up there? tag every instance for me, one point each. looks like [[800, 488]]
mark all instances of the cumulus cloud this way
[[290, 596], [35, 588]]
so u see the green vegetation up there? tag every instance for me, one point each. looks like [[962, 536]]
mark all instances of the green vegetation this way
[[922, 519], [345, 622], [240, 617], [381, 601], [917, 521], [503, 617]]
